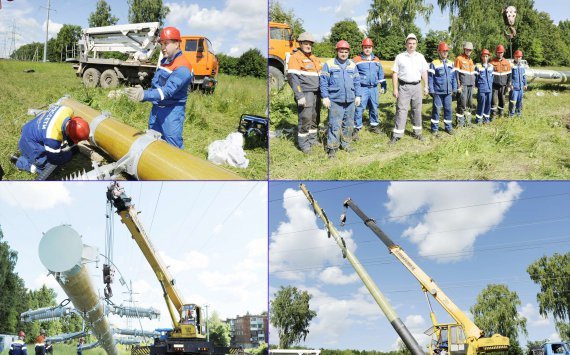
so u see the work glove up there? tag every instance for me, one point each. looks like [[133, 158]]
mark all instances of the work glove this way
[[357, 101], [460, 89], [302, 101], [382, 91], [327, 102], [136, 93]]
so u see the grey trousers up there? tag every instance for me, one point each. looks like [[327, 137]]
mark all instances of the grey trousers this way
[[464, 106], [408, 94], [309, 117]]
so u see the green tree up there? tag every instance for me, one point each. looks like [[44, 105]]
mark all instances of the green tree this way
[[147, 11], [291, 315], [219, 331], [260, 350], [553, 275], [496, 313], [278, 14], [252, 63], [228, 64], [67, 38], [324, 48], [347, 30], [102, 15], [432, 41], [390, 21], [12, 293]]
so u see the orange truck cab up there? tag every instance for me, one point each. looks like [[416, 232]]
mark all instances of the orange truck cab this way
[[200, 52], [281, 43]]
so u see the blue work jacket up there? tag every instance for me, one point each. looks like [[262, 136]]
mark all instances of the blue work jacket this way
[[484, 81], [340, 82], [170, 82], [442, 78], [518, 77], [370, 70]]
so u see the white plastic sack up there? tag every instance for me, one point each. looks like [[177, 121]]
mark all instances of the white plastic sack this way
[[229, 151]]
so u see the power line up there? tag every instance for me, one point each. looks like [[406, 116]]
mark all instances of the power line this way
[[323, 190], [155, 207], [442, 210]]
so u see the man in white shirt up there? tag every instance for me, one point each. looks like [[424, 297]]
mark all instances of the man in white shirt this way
[[410, 68]]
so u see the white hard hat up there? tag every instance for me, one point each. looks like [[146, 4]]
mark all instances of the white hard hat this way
[[468, 45], [411, 35], [306, 37]]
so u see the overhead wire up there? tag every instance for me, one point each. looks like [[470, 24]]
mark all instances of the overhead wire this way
[[155, 207]]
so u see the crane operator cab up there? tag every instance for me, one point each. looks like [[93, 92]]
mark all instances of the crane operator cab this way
[[447, 338], [188, 315], [190, 322]]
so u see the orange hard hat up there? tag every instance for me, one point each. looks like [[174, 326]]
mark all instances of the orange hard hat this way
[[170, 33], [518, 53], [77, 129], [442, 46], [367, 42], [500, 49], [21, 334], [342, 44], [485, 52]]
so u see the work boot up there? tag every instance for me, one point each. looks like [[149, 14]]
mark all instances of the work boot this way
[[348, 149], [331, 154], [14, 158], [435, 134], [418, 137], [375, 129], [393, 140], [306, 150], [355, 136], [450, 132]]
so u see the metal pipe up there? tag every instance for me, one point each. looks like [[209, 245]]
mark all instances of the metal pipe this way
[[380, 299], [62, 252], [158, 160]]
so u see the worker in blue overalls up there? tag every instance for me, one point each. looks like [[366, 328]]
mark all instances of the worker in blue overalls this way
[[340, 90], [49, 138], [371, 75], [518, 84], [169, 90], [484, 83], [442, 83]]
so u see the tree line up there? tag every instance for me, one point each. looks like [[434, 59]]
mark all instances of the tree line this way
[[543, 42], [495, 310], [250, 63]]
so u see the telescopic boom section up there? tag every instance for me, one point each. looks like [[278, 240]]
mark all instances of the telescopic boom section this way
[[128, 215], [471, 330], [395, 321]]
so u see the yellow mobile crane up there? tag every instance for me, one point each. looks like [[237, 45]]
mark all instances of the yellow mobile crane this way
[[187, 336], [462, 337]]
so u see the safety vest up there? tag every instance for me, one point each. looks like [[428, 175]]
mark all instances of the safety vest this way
[[465, 70]]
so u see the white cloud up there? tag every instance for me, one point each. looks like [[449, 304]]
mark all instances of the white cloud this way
[[333, 275], [554, 337], [37, 196], [533, 317], [242, 21], [299, 248], [192, 260], [447, 232], [346, 8], [48, 280]]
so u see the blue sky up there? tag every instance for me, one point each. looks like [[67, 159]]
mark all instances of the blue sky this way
[[203, 231], [233, 26], [319, 15], [464, 235]]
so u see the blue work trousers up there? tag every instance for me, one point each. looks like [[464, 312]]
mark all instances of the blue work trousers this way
[[483, 107], [515, 102], [341, 124], [370, 101], [32, 154], [438, 101], [169, 121]]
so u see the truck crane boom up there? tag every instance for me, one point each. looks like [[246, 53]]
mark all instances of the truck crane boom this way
[[187, 336], [474, 336]]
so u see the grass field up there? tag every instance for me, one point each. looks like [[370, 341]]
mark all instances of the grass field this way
[[208, 117], [536, 146]]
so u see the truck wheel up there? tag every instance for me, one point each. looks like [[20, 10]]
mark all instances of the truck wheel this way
[[91, 77], [109, 79], [276, 78]]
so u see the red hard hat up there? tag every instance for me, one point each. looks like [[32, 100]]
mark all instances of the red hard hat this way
[[21, 334], [77, 129], [442, 46], [500, 49], [485, 52], [367, 42], [170, 33], [342, 44], [518, 53]]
